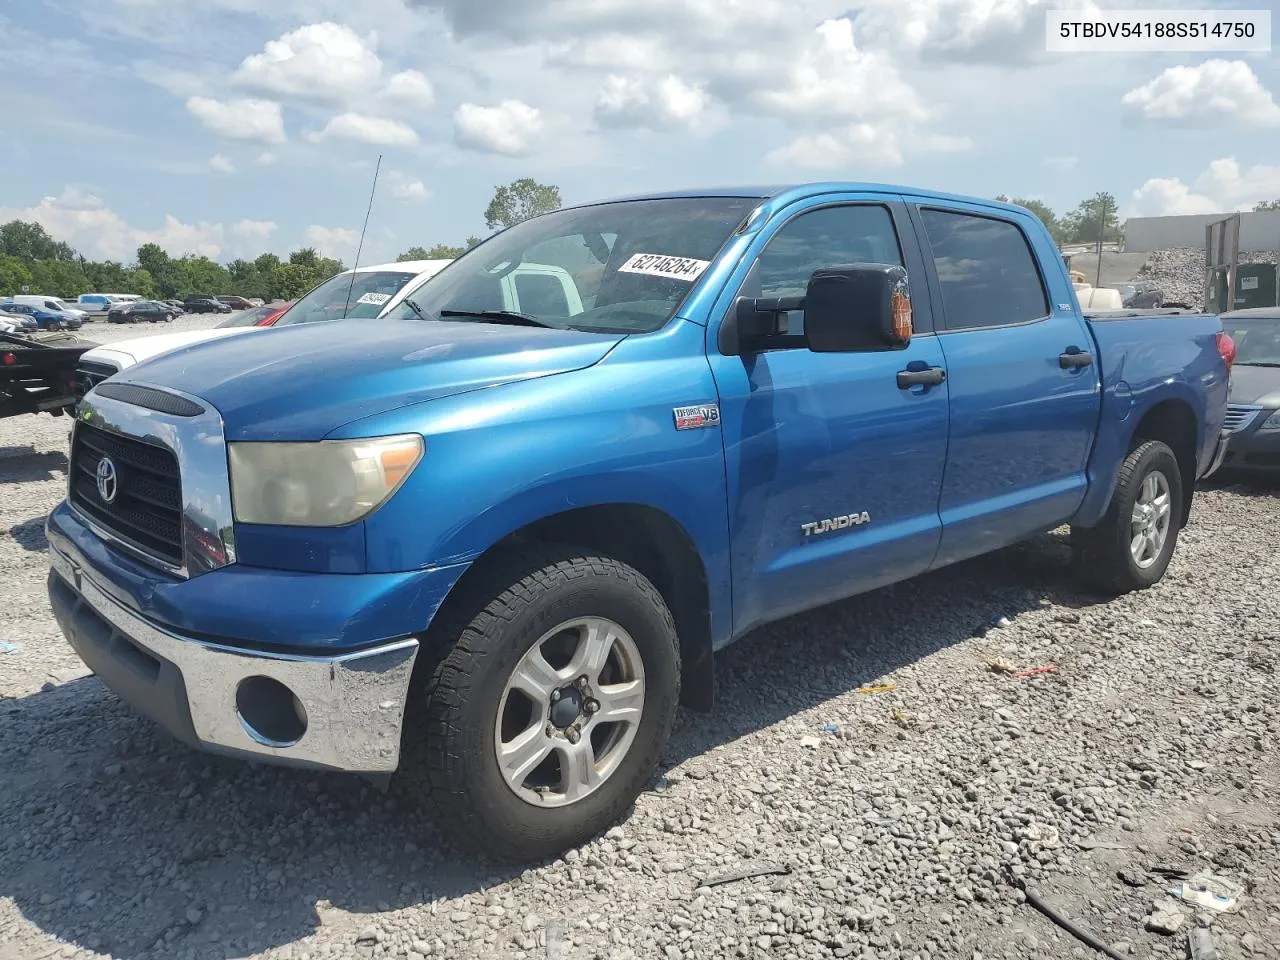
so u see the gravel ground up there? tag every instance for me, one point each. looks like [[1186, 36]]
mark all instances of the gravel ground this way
[[908, 819], [1180, 272]]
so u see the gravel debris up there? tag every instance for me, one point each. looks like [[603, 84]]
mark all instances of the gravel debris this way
[[907, 831], [1180, 272]]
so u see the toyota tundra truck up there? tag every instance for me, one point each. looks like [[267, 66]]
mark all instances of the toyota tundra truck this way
[[494, 550]]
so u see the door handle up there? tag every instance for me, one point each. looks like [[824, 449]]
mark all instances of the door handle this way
[[927, 377], [1074, 358]]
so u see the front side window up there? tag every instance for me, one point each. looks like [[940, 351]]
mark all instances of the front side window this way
[[622, 267], [826, 237], [344, 297], [986, 270]]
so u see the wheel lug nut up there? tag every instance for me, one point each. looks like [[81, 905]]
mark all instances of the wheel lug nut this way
[[555, 695], [591, 706], [573, 735]]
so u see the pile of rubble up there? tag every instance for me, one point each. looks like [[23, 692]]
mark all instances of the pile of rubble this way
[[1180, 272]]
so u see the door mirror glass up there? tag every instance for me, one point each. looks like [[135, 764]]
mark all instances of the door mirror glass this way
[[861, 308]]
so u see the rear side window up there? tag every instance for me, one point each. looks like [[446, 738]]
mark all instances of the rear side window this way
[[541, 295], [986, 270]]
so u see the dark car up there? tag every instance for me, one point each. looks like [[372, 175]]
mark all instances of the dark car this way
[[234, 302], [178, 306], [1253, 405], [150, 311], [204, 305], [1140, 295]]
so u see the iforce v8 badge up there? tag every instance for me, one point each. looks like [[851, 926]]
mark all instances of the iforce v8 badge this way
[[697, 418]]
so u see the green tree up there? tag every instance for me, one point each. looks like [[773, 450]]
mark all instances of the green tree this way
[[290, 281], [1265, 205], [29, 242], [413, 253], [1082, 224], [202, 276], [1042, 211], [306, 257], [518, 201], [59, 278], [141, 282], [108, 277], [14, 275]]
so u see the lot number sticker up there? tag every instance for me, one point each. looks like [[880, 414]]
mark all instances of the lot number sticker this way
[[672, 268], [377, 299]]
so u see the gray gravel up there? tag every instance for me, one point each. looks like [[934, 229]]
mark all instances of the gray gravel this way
[[1180, 272], [907, 819]]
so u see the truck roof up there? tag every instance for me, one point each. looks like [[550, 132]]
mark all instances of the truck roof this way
[[799, 191]]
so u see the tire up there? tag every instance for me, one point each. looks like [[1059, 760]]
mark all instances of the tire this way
[[1107, 556], [454, 729]]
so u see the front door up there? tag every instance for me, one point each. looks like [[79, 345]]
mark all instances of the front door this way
[[834, 470]]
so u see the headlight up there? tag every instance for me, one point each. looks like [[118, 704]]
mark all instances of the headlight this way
[[326, 484], [1272, 422]]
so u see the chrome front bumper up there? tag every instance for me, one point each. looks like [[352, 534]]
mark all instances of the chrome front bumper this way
[[349, 709]]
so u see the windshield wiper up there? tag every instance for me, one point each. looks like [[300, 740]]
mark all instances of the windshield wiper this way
[[415, 308], [1256, 363], [497, 316]]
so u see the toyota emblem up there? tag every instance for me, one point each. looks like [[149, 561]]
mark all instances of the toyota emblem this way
[[108, 481]]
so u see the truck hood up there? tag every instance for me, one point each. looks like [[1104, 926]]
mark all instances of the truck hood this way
[[304, 381], [128, 352], [1255, 385]]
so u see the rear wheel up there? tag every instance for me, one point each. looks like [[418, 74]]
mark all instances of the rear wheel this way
[[550, 713], [1132, 546]]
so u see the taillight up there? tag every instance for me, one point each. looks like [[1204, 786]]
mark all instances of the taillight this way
[[1227, 348], [10, 359]]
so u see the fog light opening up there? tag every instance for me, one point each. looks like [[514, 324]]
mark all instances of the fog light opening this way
[[270, 712]]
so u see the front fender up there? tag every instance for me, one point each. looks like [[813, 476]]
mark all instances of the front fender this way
[[501, 459]]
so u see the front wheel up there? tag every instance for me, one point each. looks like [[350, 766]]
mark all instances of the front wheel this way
[[1132, 546], [550, 713]]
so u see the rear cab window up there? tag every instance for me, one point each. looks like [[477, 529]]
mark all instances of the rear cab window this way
[[986, 270]]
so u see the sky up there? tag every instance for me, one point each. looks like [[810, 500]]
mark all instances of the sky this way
[[232, 127]]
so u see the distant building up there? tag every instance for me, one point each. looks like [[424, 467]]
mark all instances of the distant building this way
[[1258, 231]]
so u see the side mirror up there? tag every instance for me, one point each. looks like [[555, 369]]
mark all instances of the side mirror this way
[[861, 308]]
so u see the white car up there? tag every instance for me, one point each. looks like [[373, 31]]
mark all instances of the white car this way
[[364, 293]]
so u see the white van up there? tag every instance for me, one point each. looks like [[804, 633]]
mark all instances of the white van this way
[[52, 304]]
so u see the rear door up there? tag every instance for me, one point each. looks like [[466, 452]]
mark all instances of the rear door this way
[[833, 469], [1025, 394]]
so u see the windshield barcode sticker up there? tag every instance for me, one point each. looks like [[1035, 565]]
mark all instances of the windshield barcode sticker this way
[[658, 265], [377, 299]]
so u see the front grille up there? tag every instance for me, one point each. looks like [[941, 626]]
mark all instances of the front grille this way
[[146, 511], [1239, 416], [89, 374]]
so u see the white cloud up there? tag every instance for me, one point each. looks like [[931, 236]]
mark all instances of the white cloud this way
[[337, 242], [376, 130], [1221, 188], [991, 31], [405, 187], [258, 229], [637, 102], [510, 129], [221, 164], [259, 120], [872, 144], [1216, 91], [830, 78], [84, 221], [326, 62], [410, 89]]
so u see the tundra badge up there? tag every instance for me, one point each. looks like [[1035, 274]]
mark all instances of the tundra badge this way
[[695, 418], [835, 523]]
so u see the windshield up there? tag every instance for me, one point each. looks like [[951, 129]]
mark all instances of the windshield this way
[[1126, 289], [339, 297], [613, 267], [247, 318], [1257, 341]]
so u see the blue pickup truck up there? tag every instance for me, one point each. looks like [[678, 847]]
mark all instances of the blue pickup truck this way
[[494, 548]]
